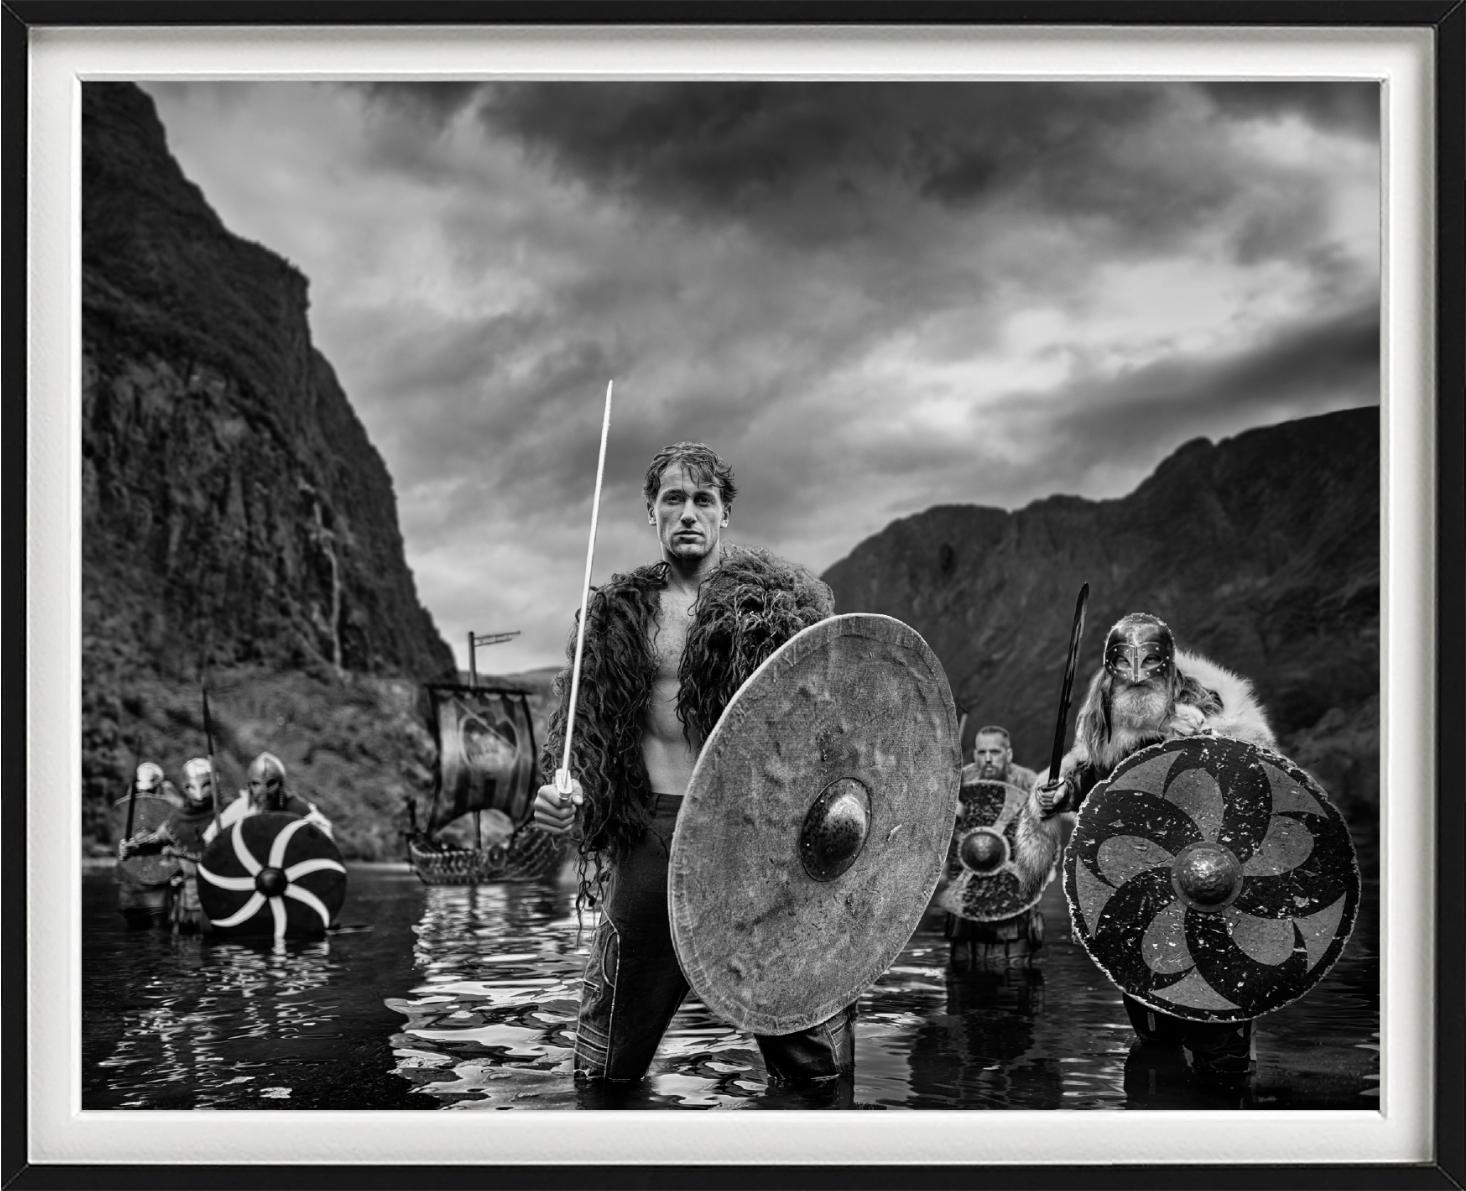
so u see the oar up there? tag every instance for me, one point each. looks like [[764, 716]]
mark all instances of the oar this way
[[562, 775], [1075, 633]]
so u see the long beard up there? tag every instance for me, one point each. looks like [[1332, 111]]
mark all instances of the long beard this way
[[1139, 708], [1135, 717]]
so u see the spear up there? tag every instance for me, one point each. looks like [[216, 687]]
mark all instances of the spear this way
[[209, 742], [132, 786], [1075, 633], [562, 775]]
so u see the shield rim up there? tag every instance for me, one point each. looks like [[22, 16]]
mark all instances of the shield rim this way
[[248, 930], [1347, 919], [745, 1017], [1023, 909]]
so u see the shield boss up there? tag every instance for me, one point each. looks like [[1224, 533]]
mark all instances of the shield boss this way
[[273, 876], [1211, 879], [815, 825], [980, 880]]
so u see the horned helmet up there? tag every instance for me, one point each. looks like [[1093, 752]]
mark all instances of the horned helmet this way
[[266, 782], [1140, 648]]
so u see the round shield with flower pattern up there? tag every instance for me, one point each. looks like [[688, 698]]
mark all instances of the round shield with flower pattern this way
[[1211, 880], [980, 881], [271, 876]]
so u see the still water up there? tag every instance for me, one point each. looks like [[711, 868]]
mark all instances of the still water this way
[[464, 998]]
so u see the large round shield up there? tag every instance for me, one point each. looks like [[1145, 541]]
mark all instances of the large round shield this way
[[149, 812], [980, 881], [1211, 879], [815, 824], [271, 876]]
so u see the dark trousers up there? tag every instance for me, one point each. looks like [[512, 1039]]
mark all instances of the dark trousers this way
[[634, 984]]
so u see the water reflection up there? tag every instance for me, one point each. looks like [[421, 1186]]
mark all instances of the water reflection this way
[[217, 1016], [979, 1052], [465, 998], [491, 1022]]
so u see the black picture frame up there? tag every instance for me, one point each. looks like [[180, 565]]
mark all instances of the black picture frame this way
[[1445, 19]]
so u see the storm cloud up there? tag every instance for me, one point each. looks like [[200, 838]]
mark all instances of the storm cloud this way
[[871, 297]]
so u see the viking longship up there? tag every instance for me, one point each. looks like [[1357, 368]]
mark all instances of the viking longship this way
[[487, 766]]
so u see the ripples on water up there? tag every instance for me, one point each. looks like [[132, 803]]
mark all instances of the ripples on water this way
[[465, 998]]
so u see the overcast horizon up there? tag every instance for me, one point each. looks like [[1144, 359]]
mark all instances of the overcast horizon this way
[[870, 298]]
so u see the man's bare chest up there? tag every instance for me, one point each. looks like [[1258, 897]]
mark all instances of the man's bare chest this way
[[669, 634]]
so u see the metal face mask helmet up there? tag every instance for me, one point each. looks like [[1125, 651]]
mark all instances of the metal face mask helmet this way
[[198, 780], [266, 782], [1140, 648], [149, 778]]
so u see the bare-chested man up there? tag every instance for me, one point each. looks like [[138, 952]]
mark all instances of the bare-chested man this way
[[666, 647]]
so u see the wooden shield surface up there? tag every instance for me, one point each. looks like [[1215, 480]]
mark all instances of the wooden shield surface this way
[[1211, 880], [149, 812], [271, 876], [979, 881], [815, 824]]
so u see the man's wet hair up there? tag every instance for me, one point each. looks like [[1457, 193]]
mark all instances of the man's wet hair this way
[[699, 461], [993, 730]]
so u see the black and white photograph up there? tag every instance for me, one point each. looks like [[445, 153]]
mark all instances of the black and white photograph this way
[[923, 358], [730, 592]]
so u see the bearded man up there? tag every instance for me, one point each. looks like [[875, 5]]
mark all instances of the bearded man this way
[[992, 760], [1011, 939], [1148, 692], [666, 647]]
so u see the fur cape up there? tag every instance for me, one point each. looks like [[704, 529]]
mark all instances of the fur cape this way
[[1209, 698], [749, 606]]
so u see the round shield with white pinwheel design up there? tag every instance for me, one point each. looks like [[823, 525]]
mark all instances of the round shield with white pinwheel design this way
[[1211, 880], [980, 881], [271, 876]]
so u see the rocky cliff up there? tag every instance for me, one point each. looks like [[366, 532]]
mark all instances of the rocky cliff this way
[[1261, 551], [235, 517]]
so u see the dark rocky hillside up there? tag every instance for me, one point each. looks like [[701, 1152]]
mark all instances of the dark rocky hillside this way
[[236, 519], [239, 528], [1261, 551]]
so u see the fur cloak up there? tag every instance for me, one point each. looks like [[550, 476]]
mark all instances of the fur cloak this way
[[749, 606], [1208, 699]]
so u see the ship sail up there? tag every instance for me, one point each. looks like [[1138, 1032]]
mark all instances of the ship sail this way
[[486, 753]]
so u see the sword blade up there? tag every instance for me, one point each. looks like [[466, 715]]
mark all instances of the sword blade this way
[[562, 775], [1076, 632]]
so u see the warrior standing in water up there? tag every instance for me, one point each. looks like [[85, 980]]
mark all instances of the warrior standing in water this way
[[666, 647], [1148, 692]]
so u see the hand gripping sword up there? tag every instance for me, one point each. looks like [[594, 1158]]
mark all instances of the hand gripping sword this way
[[562, 775], [1075, 633]]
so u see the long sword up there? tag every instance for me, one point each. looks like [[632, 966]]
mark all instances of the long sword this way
[[1075, 633], [562, 775]]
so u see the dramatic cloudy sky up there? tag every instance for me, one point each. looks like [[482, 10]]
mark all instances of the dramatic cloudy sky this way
[[869, 297]]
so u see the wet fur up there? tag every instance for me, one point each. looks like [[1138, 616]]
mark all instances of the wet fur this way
[[749, 606], [1205, 697]]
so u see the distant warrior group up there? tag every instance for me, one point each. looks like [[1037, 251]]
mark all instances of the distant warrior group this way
[[167, 891]]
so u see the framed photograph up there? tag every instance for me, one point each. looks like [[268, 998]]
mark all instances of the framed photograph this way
[[366, 344]]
